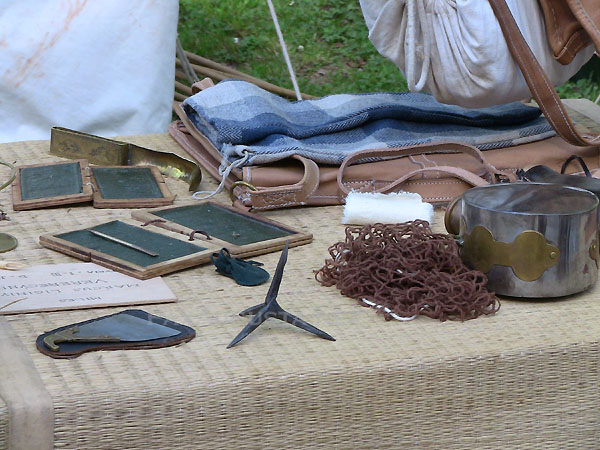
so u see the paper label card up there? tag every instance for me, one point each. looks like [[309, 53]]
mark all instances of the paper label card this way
[[55, 287]]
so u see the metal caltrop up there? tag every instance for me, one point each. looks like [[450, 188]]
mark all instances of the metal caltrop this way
[[270, 308]]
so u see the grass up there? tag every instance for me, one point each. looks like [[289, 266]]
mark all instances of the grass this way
[[587, 87], [327, 41]]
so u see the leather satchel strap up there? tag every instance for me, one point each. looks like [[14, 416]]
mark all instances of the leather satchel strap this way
[[287, 195], [456, 172], [537, 80], [440, 147]]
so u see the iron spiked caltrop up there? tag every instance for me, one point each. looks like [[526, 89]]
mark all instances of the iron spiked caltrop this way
[[270, 308]]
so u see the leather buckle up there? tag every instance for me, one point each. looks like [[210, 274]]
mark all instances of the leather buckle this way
[[240, 183]]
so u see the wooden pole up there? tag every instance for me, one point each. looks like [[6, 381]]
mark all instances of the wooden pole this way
[[183, 88], [180, 97], [220, 72]]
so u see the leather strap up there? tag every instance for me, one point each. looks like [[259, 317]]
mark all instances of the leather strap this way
[[201, 85], [456, 172], [441, 147], [581, 162], [287, 195], [537, 80]]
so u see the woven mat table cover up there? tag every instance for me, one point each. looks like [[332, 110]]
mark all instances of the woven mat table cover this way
[[525, 378]]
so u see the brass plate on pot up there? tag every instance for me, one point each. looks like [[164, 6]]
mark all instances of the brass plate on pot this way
[[529, 255]]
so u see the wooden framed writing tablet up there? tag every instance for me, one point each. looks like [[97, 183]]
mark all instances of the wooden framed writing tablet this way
[[244, 234], [129, 187], [129, 249], [43, 185]]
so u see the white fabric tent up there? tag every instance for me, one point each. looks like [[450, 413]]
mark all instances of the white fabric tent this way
[[105, 67]]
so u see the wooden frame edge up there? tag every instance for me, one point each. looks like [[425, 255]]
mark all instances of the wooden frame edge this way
[[85, 196]]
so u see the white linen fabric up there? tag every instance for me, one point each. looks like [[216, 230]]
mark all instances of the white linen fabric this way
[[455, 49], [103, 67], [396, 207]]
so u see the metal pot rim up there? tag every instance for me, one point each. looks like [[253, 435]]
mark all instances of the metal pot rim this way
[[594, 199]]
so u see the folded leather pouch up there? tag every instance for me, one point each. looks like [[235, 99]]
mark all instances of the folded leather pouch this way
[[246, 273], [127, 330], [543, 174]]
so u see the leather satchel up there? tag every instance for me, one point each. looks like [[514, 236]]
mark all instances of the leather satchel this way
[[438, 172], [571, 25], [445, 169]]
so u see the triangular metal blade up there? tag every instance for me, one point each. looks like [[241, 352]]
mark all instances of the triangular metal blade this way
[[127, 327], [297, 321], [274, 288], [252, 325], [252, 310]]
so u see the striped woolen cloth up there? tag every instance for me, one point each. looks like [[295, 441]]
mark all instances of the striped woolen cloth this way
[[237, 116]]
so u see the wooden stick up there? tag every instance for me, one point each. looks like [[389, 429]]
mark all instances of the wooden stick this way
[[180, 97], [220, 74], [9, 265], [180, 75], [13, 302], [216, 74], [201, 61], [183, 88], [108, 237]]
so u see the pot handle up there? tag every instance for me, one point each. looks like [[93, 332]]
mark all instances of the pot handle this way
[[452, 216]]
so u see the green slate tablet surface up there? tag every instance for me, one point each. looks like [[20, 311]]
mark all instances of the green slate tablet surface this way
[[166, 247], [126, 183], [223, 223], [54, 180]]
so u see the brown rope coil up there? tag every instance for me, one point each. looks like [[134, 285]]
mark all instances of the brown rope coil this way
[[408, 269]]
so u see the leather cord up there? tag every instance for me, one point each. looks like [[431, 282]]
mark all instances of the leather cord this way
[[581, 163], [441, 147]]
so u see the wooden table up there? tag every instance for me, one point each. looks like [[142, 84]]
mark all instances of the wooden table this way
[[527, 377]]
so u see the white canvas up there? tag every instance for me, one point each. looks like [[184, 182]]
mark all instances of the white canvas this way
[[104, 67]]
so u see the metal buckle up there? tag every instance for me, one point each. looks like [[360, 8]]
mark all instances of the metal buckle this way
[[240, 183], [501, 178]]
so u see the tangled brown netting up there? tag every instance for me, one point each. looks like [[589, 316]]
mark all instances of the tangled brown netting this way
[[408, 269]]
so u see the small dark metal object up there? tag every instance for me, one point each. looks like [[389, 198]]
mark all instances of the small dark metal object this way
[[581, 162], [3, 215], [203, 233], [270, 308], [124, 243], [70, 335]]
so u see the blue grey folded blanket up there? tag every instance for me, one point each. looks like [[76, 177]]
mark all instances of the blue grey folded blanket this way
[[237, 116]]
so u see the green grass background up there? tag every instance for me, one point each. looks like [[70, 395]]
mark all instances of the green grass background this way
[[327, 41]]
